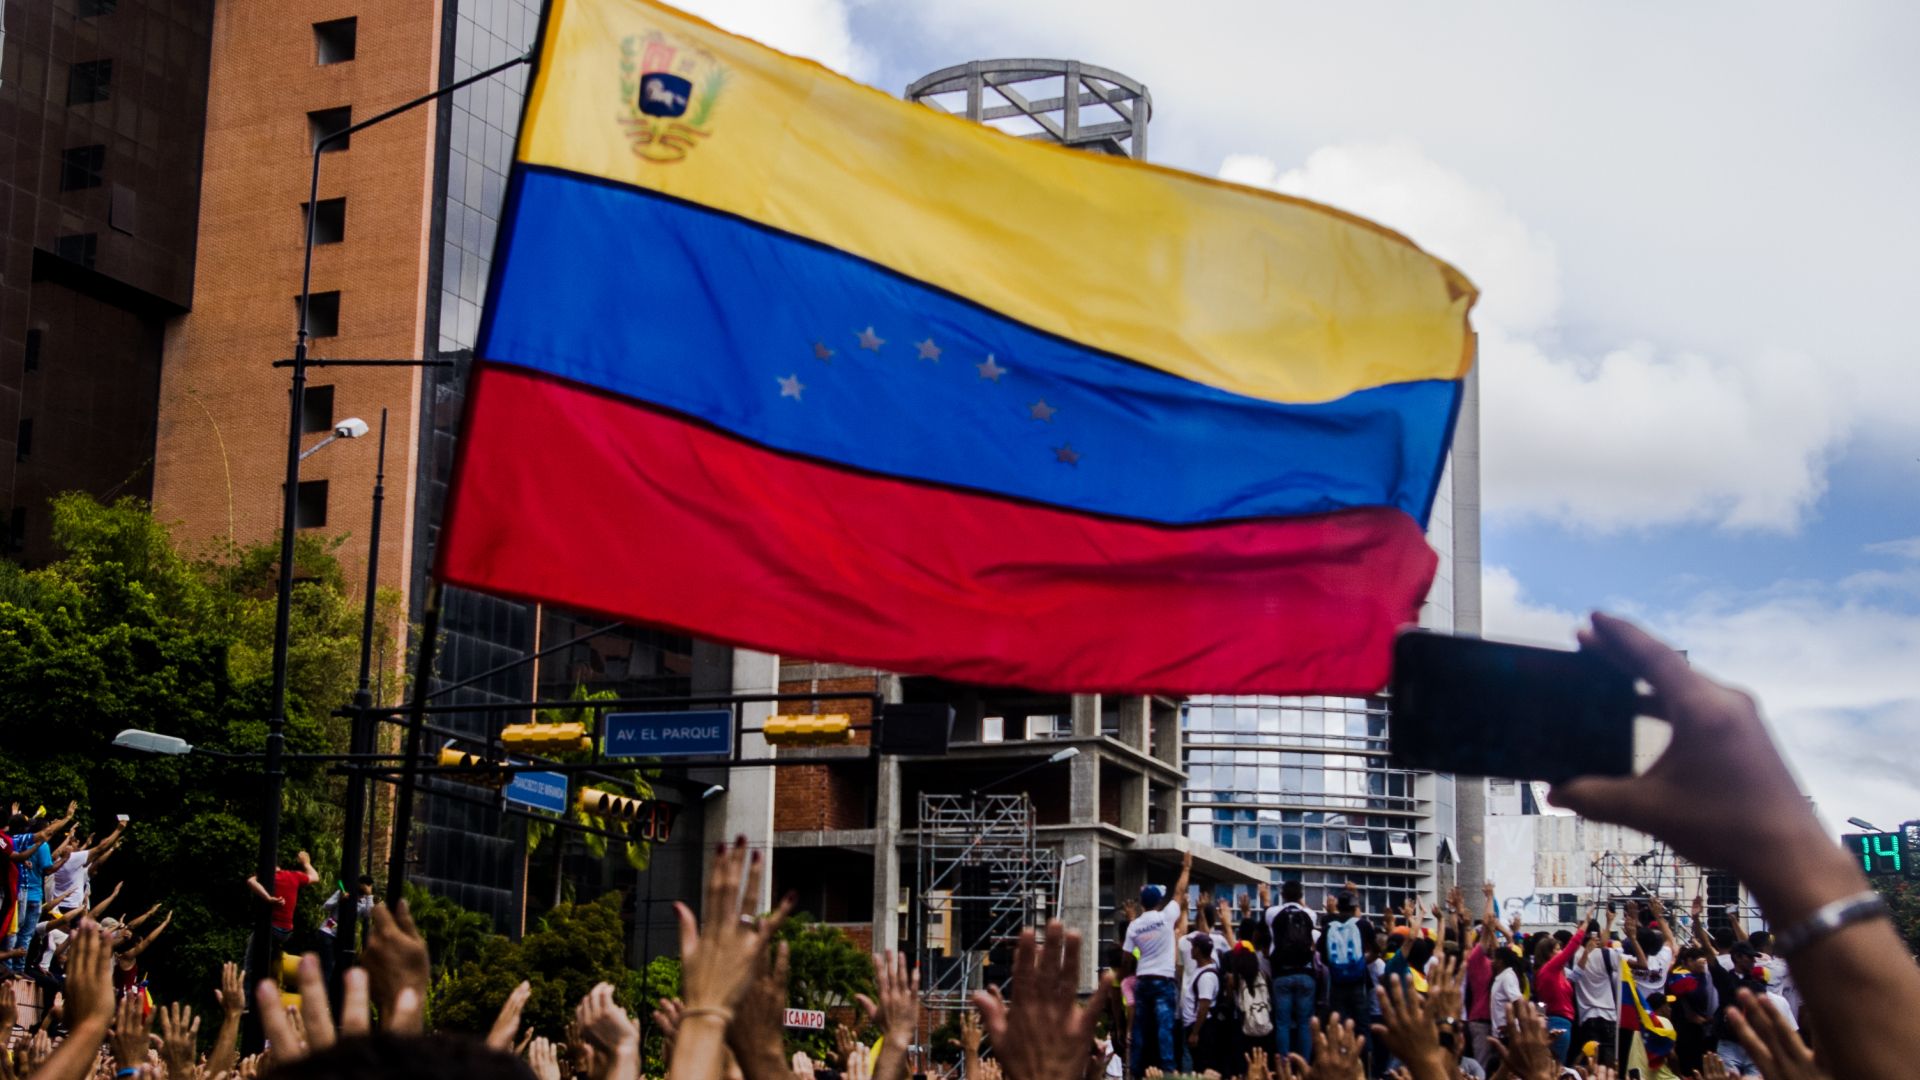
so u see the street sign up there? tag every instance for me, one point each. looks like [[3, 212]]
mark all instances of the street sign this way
[[539, 791], [807, 1018], [1879, 853], [700, 733]]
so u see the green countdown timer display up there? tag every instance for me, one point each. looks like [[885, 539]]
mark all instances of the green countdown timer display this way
[[1884, 853]]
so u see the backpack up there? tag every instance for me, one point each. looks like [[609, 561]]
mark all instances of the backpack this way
[[1346, 955], [1293, 940], [1256, 1008]]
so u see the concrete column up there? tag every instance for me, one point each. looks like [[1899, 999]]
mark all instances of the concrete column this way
[[1133, 802], [1084, 798], [1079, 889], [1086, 715], [886, 854], [1135, 715], [747, 807]]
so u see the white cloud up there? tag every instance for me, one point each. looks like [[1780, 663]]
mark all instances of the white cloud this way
[[1834, 672], [1630, 438], [1908, 548], [815, 29], [1508, 614]]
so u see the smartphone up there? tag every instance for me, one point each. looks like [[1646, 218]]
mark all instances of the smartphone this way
[[121, 818], [1487, 708]]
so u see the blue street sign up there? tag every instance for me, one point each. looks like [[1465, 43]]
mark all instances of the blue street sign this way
[[539, 791], [700, 733]]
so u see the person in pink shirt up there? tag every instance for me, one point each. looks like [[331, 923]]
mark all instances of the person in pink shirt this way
[[1479, 968], [1552, 990]]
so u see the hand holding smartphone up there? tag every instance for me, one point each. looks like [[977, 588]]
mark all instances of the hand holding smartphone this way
[[1487, 708]]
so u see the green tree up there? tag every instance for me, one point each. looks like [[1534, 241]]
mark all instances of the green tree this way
[[125, 630], [1903, 897], [825, 969], [576, 946]]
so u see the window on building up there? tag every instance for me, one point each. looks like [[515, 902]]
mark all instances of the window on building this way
[[316, 409], [333, 40], [310, 505], [79, 248], [1358, 843], [33, 349], [329, 220], [87, 9], [324, 122], [89, 81], [323, 314], [121, 209], [23, 440], [82, 167], [17, 529], [1400, 845]]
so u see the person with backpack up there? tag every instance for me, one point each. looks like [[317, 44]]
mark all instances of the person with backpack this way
[[1253, 1004], [1294, 935], [1343, 947], [1205, 1016]]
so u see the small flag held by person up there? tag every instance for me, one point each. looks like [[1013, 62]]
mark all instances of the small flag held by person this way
[[774, 358]]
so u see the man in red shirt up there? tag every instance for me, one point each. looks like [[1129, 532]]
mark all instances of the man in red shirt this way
[[285, 895]]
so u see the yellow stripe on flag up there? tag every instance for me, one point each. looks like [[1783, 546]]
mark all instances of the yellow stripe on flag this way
[[1648, 1022], [1245, 290]]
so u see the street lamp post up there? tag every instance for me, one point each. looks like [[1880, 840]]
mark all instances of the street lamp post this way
[[361, 731], [259, 955]]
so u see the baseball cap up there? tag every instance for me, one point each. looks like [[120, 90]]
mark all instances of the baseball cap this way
[[1152, 896]]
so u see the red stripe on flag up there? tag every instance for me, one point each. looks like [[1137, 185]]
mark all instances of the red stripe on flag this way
[[591, 502]]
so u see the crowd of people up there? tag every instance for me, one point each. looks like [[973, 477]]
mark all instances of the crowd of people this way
[[1282, 993]]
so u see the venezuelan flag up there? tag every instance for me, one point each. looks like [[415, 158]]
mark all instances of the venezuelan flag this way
[[777, 359]]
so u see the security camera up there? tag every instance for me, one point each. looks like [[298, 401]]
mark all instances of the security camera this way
[[351, 428]]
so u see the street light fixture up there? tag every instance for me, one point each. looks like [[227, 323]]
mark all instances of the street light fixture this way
[[1868, 826], [351, 428], [151, 742], [1060, 885]]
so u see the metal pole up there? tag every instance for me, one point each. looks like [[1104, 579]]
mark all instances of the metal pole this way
[[346, 936], [260, 955], [410, 772]]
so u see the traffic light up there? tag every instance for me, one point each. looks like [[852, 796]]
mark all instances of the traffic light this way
[[487, 771], [654, 820], [812, 729], [545, 738]]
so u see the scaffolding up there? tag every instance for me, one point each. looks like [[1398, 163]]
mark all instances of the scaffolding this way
[[981, 879], [1618, 877]]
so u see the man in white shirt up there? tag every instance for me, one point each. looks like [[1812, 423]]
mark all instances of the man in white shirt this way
[[1596, 994], [75, 876], [1156, 996], [1203, 989]]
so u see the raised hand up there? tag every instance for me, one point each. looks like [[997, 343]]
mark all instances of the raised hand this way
[[755, 1035], [1527, 1050], [130, 1033], [894, 1014], [720, 952], [1257, 1064], [1774, 1046], [179, 1035], [506, 1025], [1408, 1031], [1044, 1033], [397, 964], [542, 1059], [605, 1025], [1336, 1051], [970, 1034]]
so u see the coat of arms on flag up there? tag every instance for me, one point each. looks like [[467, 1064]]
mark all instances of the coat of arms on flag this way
[[669, 90]]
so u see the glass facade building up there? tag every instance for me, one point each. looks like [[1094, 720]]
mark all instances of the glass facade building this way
[[1303, 785]]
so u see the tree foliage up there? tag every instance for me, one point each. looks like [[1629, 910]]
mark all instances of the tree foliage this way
[[1903, 898], [127, 631], [576, 946]]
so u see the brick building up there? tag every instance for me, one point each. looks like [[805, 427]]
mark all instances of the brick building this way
[[101, 110]]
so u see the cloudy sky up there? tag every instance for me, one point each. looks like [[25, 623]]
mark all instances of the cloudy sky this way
[[1694, 227]]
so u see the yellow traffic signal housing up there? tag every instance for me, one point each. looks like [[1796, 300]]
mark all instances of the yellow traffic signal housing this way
[[655, 819], [546, 738], [813, 729], [487, 771]]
